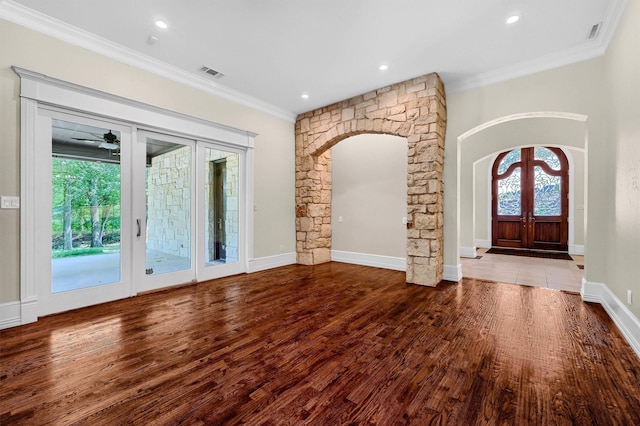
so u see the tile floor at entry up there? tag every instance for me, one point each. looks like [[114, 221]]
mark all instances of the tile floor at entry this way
[[548, 273]]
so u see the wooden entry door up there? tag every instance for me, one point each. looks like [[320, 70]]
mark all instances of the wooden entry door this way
[[530, 188]]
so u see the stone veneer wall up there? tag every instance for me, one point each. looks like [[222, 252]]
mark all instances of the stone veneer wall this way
[[414, 109], [169, 203], [232, 217]]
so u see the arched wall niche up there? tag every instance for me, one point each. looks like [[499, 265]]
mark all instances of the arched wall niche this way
[[414, 109]]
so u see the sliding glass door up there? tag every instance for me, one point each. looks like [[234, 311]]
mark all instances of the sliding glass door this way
[[118, 217], [220, 210], [164, 204], [82, 202], [187, 211], [109, 210]]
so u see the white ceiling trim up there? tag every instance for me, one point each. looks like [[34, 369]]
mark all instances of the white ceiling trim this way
[[578, 54], [37, 21]]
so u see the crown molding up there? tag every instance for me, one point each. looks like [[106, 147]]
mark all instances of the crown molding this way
[[29, 18], [588, 50], [21, 15]]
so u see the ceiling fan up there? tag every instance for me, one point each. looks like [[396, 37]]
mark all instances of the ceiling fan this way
[[109, 141]]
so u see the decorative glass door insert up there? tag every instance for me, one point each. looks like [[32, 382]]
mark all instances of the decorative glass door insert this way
[[530, 199]]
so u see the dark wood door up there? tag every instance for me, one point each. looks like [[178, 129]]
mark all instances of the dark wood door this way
[[530, 188]]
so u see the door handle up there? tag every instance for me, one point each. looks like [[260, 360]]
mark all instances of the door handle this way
[[139, 228]]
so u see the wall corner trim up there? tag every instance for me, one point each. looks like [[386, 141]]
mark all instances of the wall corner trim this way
[[469, 252], [483, 244], [623, 318], [452, 272], [578, 250]]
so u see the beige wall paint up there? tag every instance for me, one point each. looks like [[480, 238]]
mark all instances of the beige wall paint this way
[[369, 187], [503, 137], [613, 127], [607, 91], [575, 89], [622, 83], [274, 217]]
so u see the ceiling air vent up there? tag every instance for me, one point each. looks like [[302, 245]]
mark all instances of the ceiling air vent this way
[[211, 72], [593, 33]]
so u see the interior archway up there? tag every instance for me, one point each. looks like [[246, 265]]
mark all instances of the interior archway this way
[[526, 129], [369, 201], [414, 109]]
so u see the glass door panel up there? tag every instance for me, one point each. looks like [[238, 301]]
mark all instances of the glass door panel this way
[[530, 193], [168, 207], [190, 211], [166, 224], [81, 208], [219, 212], [86, 208], [221, 205]]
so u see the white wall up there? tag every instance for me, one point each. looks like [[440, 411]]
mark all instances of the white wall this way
[[369, 192], [274, 216]]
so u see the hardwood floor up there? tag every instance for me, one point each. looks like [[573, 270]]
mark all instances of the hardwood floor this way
[[325, 345]]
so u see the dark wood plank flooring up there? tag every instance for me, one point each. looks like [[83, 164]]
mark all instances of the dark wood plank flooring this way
[[326, 345]]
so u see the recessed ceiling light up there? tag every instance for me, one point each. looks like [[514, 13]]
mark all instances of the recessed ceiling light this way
[[513, 19], [305, 95], [383, 67], [161, 24]]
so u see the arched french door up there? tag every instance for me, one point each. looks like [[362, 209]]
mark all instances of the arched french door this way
[[530, 188]]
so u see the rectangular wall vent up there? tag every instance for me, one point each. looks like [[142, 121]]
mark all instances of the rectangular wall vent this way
[[593, 33], [211, 72]]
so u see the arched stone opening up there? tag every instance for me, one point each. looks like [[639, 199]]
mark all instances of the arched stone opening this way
[[414, 109]]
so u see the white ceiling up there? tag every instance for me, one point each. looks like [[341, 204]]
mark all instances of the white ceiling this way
[[271, 51]]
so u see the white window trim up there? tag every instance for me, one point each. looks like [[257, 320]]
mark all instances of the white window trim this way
[[38, 90]]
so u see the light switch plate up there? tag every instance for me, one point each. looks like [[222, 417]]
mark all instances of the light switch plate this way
[[9, 202]]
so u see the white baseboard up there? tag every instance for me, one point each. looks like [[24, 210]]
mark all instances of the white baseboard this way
[[452, 272], [377, 261], [17, 313], [578, 250], [270, 262], [483, 244], [623, 318], [10, 315], [469, 252]]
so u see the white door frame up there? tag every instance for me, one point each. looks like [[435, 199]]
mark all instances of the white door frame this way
[[203, 271], [144, 282], [39, 91]]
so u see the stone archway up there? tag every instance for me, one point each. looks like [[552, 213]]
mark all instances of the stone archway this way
[[414, 109]]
